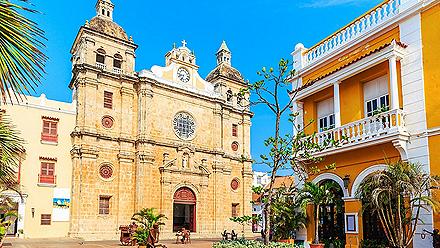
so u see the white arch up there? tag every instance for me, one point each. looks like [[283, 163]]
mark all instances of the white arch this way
[[334, 177], [363, 175]]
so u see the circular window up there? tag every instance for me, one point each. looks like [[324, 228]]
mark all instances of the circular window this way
[[184, 126], [106, 171], [235, 184], [234, 146], [107, 121]]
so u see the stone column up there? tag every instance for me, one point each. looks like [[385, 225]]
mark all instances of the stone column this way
[[337, 104], [394, 86]]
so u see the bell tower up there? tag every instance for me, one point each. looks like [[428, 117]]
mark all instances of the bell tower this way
[[104, 9], [104, 85], [223, 54]]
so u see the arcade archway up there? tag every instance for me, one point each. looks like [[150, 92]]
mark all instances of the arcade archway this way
[[184, 209]]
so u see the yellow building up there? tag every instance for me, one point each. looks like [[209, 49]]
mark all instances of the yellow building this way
[[164, 138], [45, 172], [376, 81]]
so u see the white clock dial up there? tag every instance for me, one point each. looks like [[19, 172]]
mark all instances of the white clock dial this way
[[183, 75]]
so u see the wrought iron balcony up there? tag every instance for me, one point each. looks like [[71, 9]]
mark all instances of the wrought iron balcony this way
[[380, 128]]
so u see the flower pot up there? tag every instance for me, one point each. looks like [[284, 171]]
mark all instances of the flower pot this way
[[317, 245], [287, 241]]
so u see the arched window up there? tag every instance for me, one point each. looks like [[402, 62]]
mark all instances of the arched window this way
[[117, 61], [108, 13], [239, 99], [100, 56], [103, 11], [229, 95]]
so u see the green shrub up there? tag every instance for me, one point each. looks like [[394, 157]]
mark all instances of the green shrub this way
[[368, 243], [243, 243]]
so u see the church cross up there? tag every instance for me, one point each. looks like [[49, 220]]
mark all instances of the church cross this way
[[184, 43]]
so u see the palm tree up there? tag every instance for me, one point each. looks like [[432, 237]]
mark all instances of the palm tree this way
[[11, 150], [318, 195], [21, 60], [287, 216], [147, 217], [398, 194]]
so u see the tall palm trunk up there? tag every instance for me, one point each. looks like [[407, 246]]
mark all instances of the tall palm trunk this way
[[316, 241]]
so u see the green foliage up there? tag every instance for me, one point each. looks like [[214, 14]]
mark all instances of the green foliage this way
[[287, 216], [243, 243], [141, 236], [285, 151], [21, 60], [9, 215], [11, 150], [367, 243], [318, 194], [245, 220], [145, 219], [335, 243], [398, 194]]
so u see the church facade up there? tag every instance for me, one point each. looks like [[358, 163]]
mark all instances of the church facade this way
[[163, 138]]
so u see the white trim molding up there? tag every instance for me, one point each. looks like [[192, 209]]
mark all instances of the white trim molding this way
[[333, 177], [368, 171]]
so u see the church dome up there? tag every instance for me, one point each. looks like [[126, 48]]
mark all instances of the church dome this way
[[107, 26], [225, 71]]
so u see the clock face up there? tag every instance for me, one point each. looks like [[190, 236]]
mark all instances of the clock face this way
[[183, 75]]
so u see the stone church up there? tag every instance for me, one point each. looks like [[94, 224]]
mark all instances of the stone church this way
[[164, 138]]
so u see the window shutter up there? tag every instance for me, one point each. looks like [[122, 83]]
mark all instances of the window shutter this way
[[108, 99], [325, 108]]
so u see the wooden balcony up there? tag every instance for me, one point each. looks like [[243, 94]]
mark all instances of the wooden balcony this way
[[49, 138], [47, 179]]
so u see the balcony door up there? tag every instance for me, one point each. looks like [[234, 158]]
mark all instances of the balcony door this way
[[376, 96], [326, 115]]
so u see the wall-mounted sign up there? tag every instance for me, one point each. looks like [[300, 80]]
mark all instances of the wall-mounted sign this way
[[351, 223], [61, 204]]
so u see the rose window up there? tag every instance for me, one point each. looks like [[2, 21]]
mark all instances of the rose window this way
[[184, 125], [106, 171], [235, 184], [107, 122], [234, 146]]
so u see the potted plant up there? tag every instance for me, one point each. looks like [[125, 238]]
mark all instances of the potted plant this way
[[317, 195], [287, 217], [145, 219]]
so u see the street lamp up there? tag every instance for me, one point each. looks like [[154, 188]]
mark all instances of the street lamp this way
[[346, 180]]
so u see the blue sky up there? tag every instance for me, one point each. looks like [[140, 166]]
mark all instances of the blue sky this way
[[258, 32]]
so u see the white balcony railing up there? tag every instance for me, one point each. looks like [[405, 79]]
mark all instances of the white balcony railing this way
[[374, 128], [101, 66], [117, 70], [358, 27]]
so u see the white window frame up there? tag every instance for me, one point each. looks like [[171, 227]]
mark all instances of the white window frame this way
[[327, 123], [378, 100]]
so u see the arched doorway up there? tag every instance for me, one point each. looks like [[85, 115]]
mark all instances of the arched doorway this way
[[184, 209], [331, 222]]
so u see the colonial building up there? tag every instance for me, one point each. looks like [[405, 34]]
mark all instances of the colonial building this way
[[375, 81], [164, 138], [45, 171]]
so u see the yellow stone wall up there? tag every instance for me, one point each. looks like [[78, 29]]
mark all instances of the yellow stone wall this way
[[27, 117], [146, 154]]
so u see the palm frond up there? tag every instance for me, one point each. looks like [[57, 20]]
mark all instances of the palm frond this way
[[11, 152], [21, 59]]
